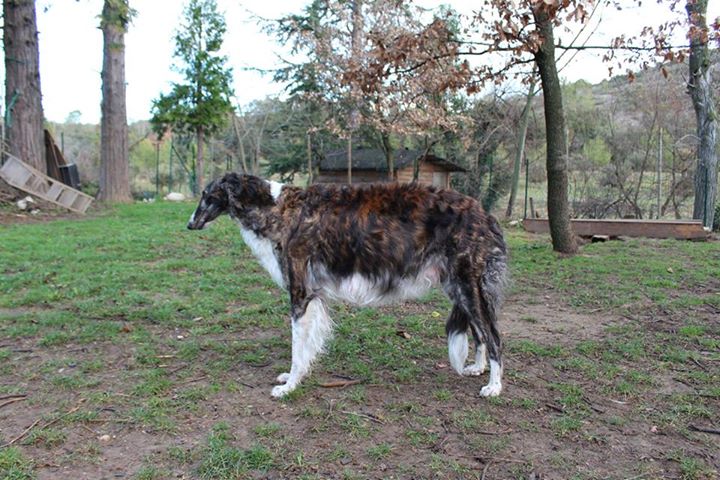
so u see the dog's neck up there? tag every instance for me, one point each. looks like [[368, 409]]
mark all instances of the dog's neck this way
[[263, 221], [263, 217]]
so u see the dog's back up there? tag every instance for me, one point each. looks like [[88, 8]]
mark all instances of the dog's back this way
[[386, 228]]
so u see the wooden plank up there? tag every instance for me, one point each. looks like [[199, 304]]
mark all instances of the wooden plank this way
[[67, 198], [679, 229], [15, 172], [37, 183], [54, 191], [82, 203]]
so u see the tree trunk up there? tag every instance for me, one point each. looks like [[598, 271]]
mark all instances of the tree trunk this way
[[389, 157], [705, 115], [522, 136], [349, 158], [355, 52], [241, 144], [23, 97], [200, 163], [114, 156], [563, 239], [309, 159]]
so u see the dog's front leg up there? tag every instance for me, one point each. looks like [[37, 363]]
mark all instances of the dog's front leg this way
[[309, 334]]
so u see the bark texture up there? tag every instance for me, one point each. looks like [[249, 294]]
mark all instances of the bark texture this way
[[23, 95], [520, 153], [114, 156], [705, 114], [356, 51], [563, 239], [200, 161]]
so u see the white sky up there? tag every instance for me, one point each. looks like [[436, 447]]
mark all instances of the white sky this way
[[71, 50]]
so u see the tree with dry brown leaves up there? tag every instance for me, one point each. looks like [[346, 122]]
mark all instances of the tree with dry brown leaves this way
[[391, 77]]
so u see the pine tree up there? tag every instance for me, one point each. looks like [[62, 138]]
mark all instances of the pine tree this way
[[201, 103]]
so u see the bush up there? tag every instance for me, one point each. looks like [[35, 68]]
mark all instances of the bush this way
[[716, 219]]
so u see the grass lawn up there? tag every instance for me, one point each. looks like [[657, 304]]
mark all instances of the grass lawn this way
[[131, 347]]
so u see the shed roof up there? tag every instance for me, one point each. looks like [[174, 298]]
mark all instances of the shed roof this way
[[374, 159]]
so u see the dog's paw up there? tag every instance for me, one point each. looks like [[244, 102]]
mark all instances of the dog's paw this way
[[491, 390], [473, 370], [282, 378], [281, 390]]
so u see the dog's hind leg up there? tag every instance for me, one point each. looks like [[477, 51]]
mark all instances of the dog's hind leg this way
[[491, 284], [456, 329], [310, 331], [477, 294], [477, 368], [485, 326]]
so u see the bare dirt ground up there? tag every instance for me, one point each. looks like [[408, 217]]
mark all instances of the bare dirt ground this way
[[554, 420]]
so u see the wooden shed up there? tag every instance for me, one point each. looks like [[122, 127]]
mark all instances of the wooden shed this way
[[369, 166]]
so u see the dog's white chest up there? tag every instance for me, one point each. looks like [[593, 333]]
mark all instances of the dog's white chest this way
[[265, 253]]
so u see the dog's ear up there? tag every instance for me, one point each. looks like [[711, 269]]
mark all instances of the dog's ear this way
[[232, 185]]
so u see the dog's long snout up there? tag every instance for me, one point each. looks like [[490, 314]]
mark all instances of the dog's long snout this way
[[192, 223]]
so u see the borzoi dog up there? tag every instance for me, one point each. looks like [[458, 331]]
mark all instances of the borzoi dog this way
[[370, 245]]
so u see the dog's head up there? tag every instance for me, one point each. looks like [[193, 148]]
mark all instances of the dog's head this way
[[213, 203], [234, 193]]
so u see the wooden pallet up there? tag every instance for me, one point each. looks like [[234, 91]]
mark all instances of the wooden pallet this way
[[21, 175], [680, 229]]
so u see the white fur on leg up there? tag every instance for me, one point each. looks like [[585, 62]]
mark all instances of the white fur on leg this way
[[283, 377], [457, 350], [477, 368], [309, 334], [494, 386]]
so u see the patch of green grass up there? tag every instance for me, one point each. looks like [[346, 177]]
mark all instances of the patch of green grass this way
[[73, 382], [268, 430], [379, 451], [692, 331], [156, 412], [691, 468], [533, 348], [14, 466], [190, 397], [355, 425], [155, 382], [421, 437], [565, 424], [46, 437], [588, 368], [54, 338], [357, 394], [525, 403], [220, 461], [150, 472], [572, 396], [614, 275], [471, 420], [442, 395]]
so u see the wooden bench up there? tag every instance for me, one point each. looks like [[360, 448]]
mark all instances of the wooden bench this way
[[680, 229]]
